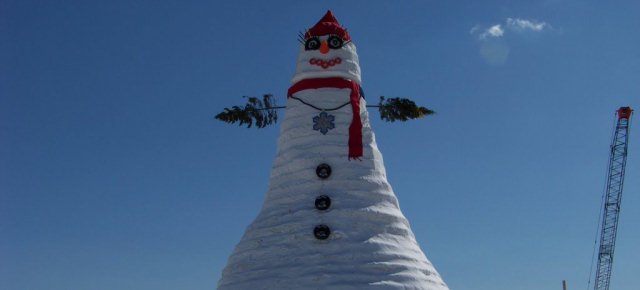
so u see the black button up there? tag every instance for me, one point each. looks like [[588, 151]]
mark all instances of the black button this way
[[323, 171], [321, 232], [323, 202]]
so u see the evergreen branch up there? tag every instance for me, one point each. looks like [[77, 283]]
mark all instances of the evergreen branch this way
[[263, 113], [401, 109]]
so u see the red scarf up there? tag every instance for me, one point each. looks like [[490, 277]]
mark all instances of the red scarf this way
[[355, 129]]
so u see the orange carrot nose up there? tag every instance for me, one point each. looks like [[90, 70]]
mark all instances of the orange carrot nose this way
[[324, 47]]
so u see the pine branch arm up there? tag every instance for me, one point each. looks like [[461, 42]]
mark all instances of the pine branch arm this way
[[261, 112], [400, 109]]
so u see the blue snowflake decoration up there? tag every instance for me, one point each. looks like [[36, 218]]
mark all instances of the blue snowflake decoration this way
[[323, 122]]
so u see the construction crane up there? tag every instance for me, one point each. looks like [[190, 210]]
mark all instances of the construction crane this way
[[612, 198]]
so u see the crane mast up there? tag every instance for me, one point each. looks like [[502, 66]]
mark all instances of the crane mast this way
[[612, 199]]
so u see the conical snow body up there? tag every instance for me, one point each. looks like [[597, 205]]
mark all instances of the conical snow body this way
[[370, 245]]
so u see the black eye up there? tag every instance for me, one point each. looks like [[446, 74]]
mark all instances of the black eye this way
[[335, 42], [312, 43]]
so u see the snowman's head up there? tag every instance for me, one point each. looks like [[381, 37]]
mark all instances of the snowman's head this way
[[327, 51]]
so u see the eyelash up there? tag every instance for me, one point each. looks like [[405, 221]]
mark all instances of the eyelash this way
[[302, 39]]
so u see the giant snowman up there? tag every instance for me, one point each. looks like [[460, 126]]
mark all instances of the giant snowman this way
[[330, 219]]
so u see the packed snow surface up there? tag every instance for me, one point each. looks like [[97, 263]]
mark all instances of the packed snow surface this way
[[371, 245]]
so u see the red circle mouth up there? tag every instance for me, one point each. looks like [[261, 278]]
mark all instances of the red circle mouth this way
[[325, 63]]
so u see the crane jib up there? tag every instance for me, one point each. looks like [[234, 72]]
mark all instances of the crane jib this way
[[612, 199]]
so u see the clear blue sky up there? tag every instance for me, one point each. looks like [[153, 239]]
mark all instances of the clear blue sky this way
[[114, 174]]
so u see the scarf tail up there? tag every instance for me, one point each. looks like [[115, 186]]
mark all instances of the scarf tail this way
[[355, 129]]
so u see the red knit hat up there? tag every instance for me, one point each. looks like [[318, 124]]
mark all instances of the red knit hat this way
[[328, 25]]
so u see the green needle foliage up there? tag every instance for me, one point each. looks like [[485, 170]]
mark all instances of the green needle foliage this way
[[400, 109], [262, 112]]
